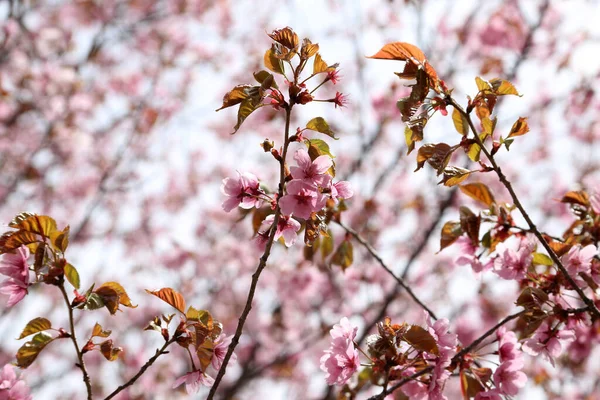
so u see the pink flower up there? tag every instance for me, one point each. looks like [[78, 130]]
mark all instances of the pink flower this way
[[333, 75], [287, 227], [10, 387], [595, 201], [507, 346], [509, 378], [193, 380], [243, 191], [302, 199], [512, 264], [341, 361], [311, 172], [341, 190], [468, 255], [579, 259], [220, 350], [15, 267], [548, 342], [340, 100], [489, 395]]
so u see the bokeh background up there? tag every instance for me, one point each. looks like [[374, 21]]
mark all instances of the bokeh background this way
[[108, 124]]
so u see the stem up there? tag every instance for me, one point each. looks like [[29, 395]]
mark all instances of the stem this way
[[399, 280], [262, 263], [142, 370], [588, 302], [81, 365]]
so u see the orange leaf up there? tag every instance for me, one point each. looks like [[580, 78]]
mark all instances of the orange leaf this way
[[171, 297], [478, 191], [401, 51]]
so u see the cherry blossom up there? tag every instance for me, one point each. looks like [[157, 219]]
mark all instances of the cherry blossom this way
[[219, 351], [548, 342], [509, 378], [15, 267], [243, 191], [287, 227], [309, 171], [341, 360], [11, 388], [301, 199], [194, 381], [510, 264]]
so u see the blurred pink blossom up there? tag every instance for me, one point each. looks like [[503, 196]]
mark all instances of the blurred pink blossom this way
[[341, 361], [193, 381], [15, 267]]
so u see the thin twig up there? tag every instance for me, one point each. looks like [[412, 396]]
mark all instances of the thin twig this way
[[261, 265], [143, 369], [377, 257], [81, 364]]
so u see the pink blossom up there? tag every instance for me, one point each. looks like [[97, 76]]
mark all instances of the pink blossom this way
[[507, 346], [243, 191], [340, 361], [220, 350], [341, 190], [489, 395], [414, 389], [512, 264], [595, 201], [468, 255], [286, 227], [193, 381], [16, 268], [548, 342], [10, 387], [579, 259], [311, 172], [302, 199], [509, 378], [340, 100]]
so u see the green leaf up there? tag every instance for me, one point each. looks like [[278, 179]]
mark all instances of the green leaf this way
[[247, 107], [320, 125], [343, 256], [317, 147], [34, 326], [27, 354], [482, 85], [326, 244], [460, 122], [542, 259], [451, 231], [93, 302], [72, 275]]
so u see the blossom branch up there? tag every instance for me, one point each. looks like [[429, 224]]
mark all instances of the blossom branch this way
[[263, 260], [143, 369], [81, 364], [398, 279], [592, 307]]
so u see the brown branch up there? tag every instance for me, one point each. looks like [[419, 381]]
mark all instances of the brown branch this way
[[143, 369], [262, 263], [377, 257], [81, 365], [588, 302]]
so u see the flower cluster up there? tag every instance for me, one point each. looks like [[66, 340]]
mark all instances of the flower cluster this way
[[11, 388], [15, 267], [341, 361]]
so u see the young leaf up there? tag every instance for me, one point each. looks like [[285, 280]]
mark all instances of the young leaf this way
[[110, 352], [27, 354], [60, 239], [34, 326], [317, 147], [460, 122], [72, 275], [171, 297], [40, 224], [327, 244], [10, 241], [470, 223], [451, 231], [235, 96], [99, 332], [478, 191], [343, 256], [482, 85], [403, 51], [286, 37], [123, 296], [265, 79], [308, 49], [272, 62], [319, 65], [437, 155], [421, 340], [247, 107], [542, 259], [501, 87], [576, 197], [519, 128], [320, 125], [454, 176]]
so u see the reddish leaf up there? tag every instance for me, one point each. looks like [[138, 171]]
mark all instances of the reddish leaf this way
[[286, 37], [308, 49], [478, 191], [343, 256], [421, 340], [99, 332], [437, 155], [110, 352], [451, 231], [576, 197], [454, 176], [171, 297]]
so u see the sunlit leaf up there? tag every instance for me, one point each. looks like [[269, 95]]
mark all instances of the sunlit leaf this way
[[576, 197], [110, 352], [265, 79], [532, 298], [60, 239], [286, 37], [72, 275], [40, 224], [235, 96], [320, 125], [460, 122], [308, 49], [421, 340], [34, 326], [470, 223], [482, 85], [542, 259], [247, 107], [343, 256], [454, 176], [99, 332], [317, 147], [27, 354], [327, 244], [437, 155], [272, 62], [171, 297], [519, 128], [450, 232], [501, 87], [489, 126], [204, 351], [123, 296], [319, 65], [478, 191], [10, 241]]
